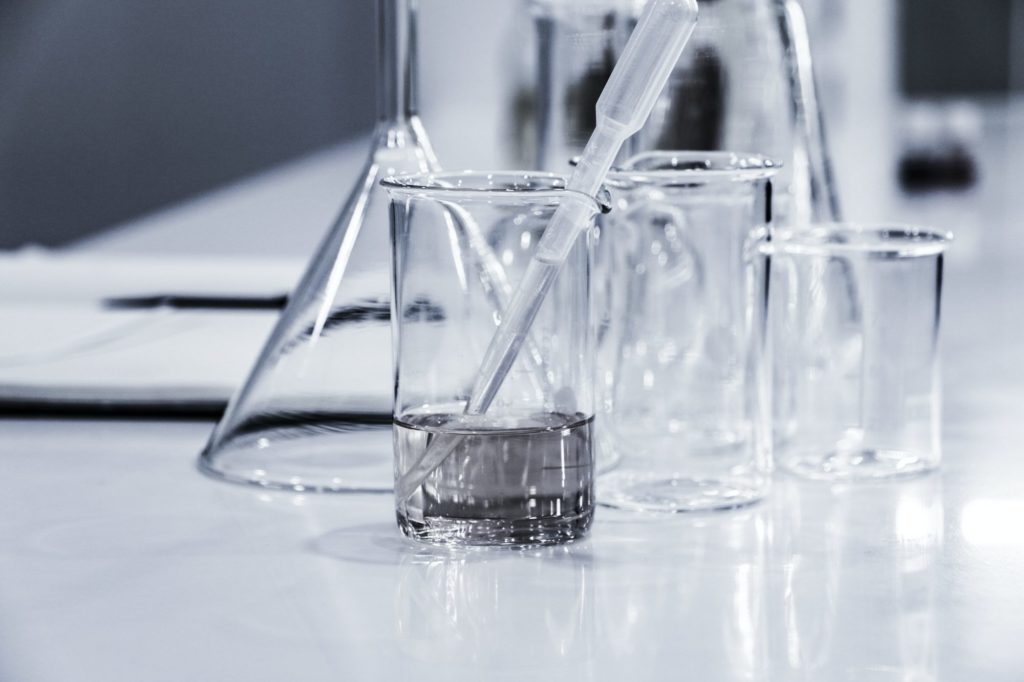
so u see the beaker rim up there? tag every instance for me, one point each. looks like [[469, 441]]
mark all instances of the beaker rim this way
[[693, 167], [481, 184], [875, 239]]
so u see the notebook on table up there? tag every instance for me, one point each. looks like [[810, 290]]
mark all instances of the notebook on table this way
[[84, 333]]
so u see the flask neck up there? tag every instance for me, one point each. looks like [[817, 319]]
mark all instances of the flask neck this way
[[396, 60]]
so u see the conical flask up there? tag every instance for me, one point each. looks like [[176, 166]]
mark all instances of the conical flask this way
[[315, 411]]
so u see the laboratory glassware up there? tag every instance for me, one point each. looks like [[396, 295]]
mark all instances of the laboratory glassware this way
[[746, 82], [638, 78], [854, 320], [315, 411], [577, 44], [523, 472], [682, 363]]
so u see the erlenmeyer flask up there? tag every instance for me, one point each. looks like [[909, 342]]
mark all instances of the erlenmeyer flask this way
[[315, 412], [745, 84]]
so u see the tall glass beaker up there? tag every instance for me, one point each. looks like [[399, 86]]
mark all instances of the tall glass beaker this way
[[522, 473], [682, 361], [315, 412], [855, 316]]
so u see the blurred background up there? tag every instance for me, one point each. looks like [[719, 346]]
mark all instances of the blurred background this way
[[112, 108], [115, 109]]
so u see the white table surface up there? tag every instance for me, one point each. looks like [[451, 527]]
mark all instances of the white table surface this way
[[118, 561]]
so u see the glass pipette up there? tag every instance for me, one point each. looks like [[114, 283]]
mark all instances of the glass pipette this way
[[636, 82]]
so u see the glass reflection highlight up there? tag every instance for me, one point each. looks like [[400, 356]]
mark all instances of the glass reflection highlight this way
[[993, 523], [527, 611], [856, 594]]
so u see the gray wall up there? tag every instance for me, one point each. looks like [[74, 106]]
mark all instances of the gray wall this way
[[957, 47], [111, 108]]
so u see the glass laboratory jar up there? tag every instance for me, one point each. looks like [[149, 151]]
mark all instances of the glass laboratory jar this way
[[578, 43], [745, 81], [522, 472], [682, 366], [854, 317]]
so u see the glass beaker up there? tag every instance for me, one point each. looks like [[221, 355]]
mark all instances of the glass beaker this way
[[523, 472], [315, 411], [854, 317], [578, 43], [682, 367], [745, 82]]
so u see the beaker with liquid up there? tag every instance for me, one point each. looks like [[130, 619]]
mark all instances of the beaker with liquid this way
[[522, 473]]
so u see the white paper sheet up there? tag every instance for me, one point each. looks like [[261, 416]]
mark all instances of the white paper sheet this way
[[61, 347]]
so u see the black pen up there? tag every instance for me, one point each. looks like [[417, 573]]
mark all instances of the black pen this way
[[198, 302]]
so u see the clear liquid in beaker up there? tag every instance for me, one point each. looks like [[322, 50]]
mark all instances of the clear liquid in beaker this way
[[521, 481]]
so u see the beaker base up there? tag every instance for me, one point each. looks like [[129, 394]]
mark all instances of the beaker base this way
[[853, 465], [497, 532], [646, 492]]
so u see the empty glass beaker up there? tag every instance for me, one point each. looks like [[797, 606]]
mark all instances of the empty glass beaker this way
[[315, 411], [682, 369], [854, 318], [523, 472], [746, 82]]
